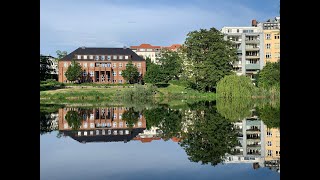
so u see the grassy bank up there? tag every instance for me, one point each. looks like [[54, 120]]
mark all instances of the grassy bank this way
[[99, 94]]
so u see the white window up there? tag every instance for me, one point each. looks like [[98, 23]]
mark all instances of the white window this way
[[114, 73], [269, 143], [84, 73], [91, 116], [114, 124], [65, 64], [268, 55], [91, 125], [85, 133], [269, 152], [149, 49], [268, 46], [115, 132], [120, 64], [103, 132], [120, 81], [114, 116], [139, 65], [108, 58], [120, 72], [114, 57], [109, 132], [139, 124], [90, 57], [91, 133], [126, 57], [91, 74], [85, 125], [142, 49], [97, 132], [102, 58], [79, 56], [65, 126], [85, 57], [79, 133], [121, 132], [120, 57], [85, 65], [108, 124], [121, 124], [127, 132], [114, 65], [268, 36], [269, 134], [91, 65], [140, 73]]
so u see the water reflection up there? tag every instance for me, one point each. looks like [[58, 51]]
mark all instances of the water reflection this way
[[206, 131]]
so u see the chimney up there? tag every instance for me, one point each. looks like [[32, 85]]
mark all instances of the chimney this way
[[83, 47], [124, 47], [254, 23]]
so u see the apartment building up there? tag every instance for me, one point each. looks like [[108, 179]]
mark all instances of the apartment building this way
[[104, 124], [153, 52], [102, 65], [250, 48], [271, 31]]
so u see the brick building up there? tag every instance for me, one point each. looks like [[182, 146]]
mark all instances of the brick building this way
[[101, 65]]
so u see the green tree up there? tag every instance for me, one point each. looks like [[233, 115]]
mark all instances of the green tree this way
[[269, 115], [130, 116], [45, 67], [171, 65], [61, 54], [154, 74], [131, 73], [209, 57], [209, 137], [269, 76], [74, 71], [45, 122], [233, 86], [167, 120], [235, 108], [73, 119], [148, 63]]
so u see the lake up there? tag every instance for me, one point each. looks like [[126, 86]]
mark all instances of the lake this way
[[195, 141]]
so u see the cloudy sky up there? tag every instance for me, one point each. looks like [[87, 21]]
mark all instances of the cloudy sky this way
[[68, 24]]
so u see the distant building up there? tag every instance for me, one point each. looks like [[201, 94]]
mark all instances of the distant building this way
[[102, 65], [250, 49], [271, 31], [152, 52]]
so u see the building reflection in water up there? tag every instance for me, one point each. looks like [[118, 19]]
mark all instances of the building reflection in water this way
[[257, 144], [101, 125]]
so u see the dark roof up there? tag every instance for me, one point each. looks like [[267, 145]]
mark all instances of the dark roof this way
[[104, 138], [102, 51]]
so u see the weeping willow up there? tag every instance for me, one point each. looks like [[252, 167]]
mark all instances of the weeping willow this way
[[234, 86], [235, 108]]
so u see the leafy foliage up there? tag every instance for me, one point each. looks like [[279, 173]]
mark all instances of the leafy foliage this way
[[235, 108], [233, 86], [209, 57], [45, 67], [269, 115], [74, 71], [73, 119], [131, 74], [269, 76], [61, 54], [131, 117], [209, 137]]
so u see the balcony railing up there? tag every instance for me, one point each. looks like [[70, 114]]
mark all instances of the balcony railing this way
[[253, 66], [252, 49], [253, 41]]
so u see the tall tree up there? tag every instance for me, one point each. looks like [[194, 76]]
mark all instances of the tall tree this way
[[74, 71], [130, 116], [61, 54], [209, 56], [209, 137], [154, 74], [148, 63], [131, 73], [73, 119], [269, 76], [45, 67], [170, 63]]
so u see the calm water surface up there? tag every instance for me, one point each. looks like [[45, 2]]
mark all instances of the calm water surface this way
[[191, 142]]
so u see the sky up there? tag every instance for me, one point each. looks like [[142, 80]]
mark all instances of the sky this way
[[68, 24], [65, 158]]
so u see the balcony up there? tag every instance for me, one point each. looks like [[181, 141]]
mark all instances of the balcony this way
[[252, 56], [252, 49], [252, 41], [239, 51], [253, 66]]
